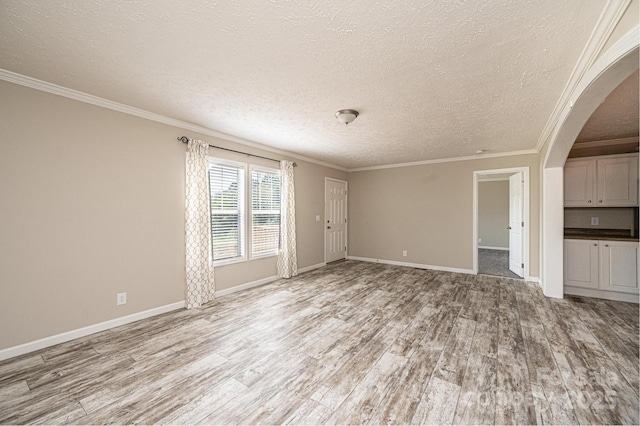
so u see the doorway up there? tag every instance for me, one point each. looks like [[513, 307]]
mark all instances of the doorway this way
[[501, 223], [335, 219], [607, 72]]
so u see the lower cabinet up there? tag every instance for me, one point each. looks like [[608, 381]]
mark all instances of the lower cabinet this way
[[605, 266], [581, 263], [619, 266]]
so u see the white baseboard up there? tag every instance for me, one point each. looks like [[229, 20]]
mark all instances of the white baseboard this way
[[534, 280], [85, 331], [311, 268], [246, 286], [412, 265], [602, 294], [494, 248], [262, 281]]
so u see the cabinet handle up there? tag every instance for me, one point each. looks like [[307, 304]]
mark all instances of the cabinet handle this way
[[589, 201], [600, 201], [606, 245], [596, 244]]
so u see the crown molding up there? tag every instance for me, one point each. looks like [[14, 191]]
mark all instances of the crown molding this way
[[618, 56], [447, 160], [44, 86], [609, 18]]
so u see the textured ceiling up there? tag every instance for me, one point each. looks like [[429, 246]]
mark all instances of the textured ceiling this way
[[431, 79], [617, 117], [613, 126]]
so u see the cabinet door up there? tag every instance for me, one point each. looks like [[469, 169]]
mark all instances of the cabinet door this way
[[579, 183], [618, 182], [581, 263], [619, 266]]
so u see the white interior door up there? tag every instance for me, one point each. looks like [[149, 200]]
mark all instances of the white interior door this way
[[516, 223], [335, 215]]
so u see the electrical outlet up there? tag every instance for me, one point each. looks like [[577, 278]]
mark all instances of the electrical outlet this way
[[121, 299], [595, 221], [404, 253]]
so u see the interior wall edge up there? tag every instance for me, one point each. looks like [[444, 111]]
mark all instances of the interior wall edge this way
[[246, 286], [66, 336], [312, 267], [263, 281], [598, 294], [413, 265]]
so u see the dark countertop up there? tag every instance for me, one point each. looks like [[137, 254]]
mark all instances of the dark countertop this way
[[599, 234]]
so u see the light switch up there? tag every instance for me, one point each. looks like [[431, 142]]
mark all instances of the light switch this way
[[595, 221], [317, 218]]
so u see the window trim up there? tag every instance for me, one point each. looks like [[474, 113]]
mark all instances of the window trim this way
[[244, 249], [252, 168]]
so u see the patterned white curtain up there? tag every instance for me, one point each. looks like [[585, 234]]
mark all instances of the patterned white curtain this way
[[287, 257], [199, 258]]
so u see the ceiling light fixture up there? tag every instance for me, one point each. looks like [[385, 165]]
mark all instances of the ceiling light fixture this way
[[346, 116]]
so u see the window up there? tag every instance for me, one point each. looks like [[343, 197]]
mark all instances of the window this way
[[227, 194], [265, 212]]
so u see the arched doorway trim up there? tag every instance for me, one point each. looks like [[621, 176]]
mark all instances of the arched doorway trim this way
[[620, 61]]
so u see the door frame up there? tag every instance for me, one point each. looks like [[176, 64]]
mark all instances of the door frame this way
[[346, 214], [518, 181], [525, 215]]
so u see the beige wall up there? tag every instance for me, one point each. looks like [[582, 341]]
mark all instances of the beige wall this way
[[309, 181], [493, 213], [92, 204], [428, 211], [620, 218]]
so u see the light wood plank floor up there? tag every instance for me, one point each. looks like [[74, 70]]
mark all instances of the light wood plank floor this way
[[351, 343]]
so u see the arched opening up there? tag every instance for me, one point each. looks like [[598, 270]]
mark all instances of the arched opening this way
[[613, 67]]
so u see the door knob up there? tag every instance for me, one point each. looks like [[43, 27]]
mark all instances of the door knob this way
[[328, 227], [508, 227]]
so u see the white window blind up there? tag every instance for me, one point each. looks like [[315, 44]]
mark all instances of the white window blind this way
[[226, 186], [265, 212]]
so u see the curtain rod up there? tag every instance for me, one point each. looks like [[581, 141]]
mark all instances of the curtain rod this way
[[185, 139]]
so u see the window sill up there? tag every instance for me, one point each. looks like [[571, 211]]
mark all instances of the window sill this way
[[229, 261], [242, 259]]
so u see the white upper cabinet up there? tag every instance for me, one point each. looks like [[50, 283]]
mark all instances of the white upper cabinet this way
[[618, 181], [579, 183], [601, 182]]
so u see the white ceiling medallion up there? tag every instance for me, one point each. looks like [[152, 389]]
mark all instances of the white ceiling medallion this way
[[346, 116]]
